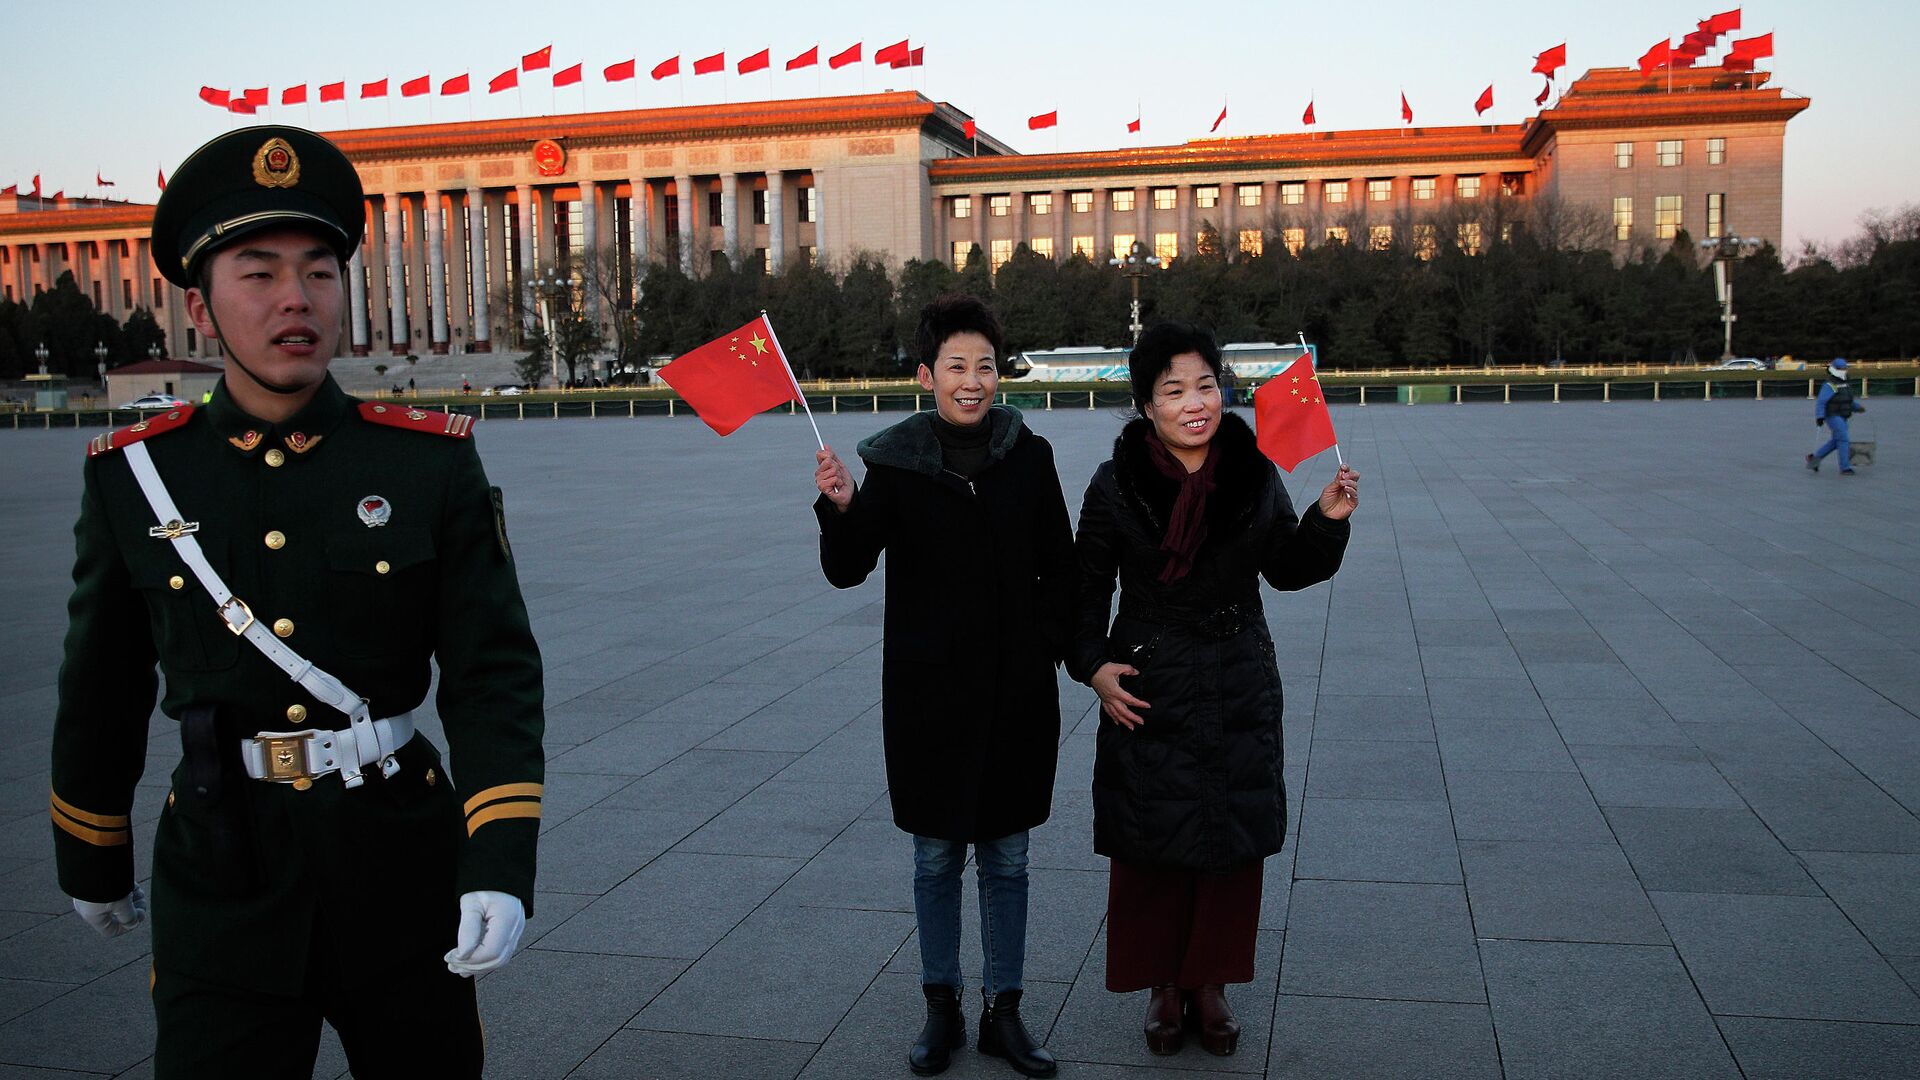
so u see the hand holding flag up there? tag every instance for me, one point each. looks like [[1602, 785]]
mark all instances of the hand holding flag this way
[[1290, 416]]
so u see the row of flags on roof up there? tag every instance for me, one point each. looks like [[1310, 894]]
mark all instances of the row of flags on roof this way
[[1740, 55]]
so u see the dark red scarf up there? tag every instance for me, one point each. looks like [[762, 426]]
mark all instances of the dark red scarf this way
[[1187, 524]]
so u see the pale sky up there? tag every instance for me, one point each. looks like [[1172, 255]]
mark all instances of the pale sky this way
[[112, 85]]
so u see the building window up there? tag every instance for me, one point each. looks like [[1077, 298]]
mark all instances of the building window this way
[[1669, 151], [715, 211], [809, 254], [1249, 194], [159, 295], [1425, 187], [1001, 251], [1206, 198], [1623, 217], [1336, 234], [1716, 151], [1380, 237], [1122, 201], [999, 205], [808, 208], [1623, 155], [1165, 198], [1513, 184], [962, 206], [1666, 216], [1295, 240], [1294, 194], [1040, 205], [126, 293], [1252, 242], [1717, 214], [760, 256], [1166, 245], [1334, 191], [1082, 202], [759, 206], [1042, 246], [97, 305], [9, 294], [1083, 245], [1426, 241], [961, 249], [1379, 190], [1122, 243], [1466, 187], [1469, 237]]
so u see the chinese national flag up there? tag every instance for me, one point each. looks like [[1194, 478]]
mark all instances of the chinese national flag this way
[[733, 378], [1290, 416], [567, 76], [1133, 126], [1551, 61], [707, 65], [916, 58], [160, 175], [891, 54], [537, 59], [10, 189], [1307, 117], [1657, 57], [1545, 92], [666, 69], [848, 55], [102, 181], [333, 91], [759, 61], [294, 95], [416, 87], [619, 72], [1484, 102], [1753, 48], [1218, 120], [241, 105], [506, 80], [217, 98], [1044, 120], [970, 129], [459, 84], [377, 88], [1406, 110], [1723, 22], [805, 59], [257, 96]]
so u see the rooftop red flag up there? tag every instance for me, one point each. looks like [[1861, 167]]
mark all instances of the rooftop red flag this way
[[805, 59], [1736, 63], [160, 175], [1307, 117], [1044, 120], [377, 88], [1545, 92], [733, 378], [759, 61], [666, 69], [1551, 61], [459, 84], [1484, 101], [101, 182], [970, 129], [917, 57], [567, 76], [416, 87], [1753, 48], [36, 185], [1655, 58], [1724, 22], [216, 98], [58, 195], [707, 65], [257, 96], [1406, 110], [241, 105], [1290, 415], [333, 91], [294, 95], [848, 55], [537, 59], [893, 53], [1218, 120], [10, 189], [1133, 126], [506, 80], [619, 72]]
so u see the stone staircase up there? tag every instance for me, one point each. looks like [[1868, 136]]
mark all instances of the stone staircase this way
[[430, 374]]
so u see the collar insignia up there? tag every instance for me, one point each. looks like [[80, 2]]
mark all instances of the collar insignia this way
[[300, 442], [246, 443]]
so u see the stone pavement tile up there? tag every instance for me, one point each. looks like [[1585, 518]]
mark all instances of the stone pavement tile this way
[[1470, 661], [1472, 742], [34, 887], [635, 748], [700, 780], [547, 1012], [868, 866], [1065, 909], [573, 722], [1822, 813], [1505, 699], [19, 996], [1557, 892], [1348, 1039], [872, 1040], [1346, 676], [1909, 969], [1575, 1011], [1372, 717], [568, 793], [1473, 633], [1880, 893], [1570, 646], [1769, 1049], [785, 819], [1791, 956], [1348, 769], [1377, 840], [793, 726], [1364, 939], [15, 922], [599, 848], [854, 753], [667, 1055], [1276, 887], [1100, 1029], [1601, 722], [1677, 776], [1717, 851], [23, 1072], [1895, 770], [550, 909], [1554, 806], [783, 973], [1780, 746], [66, 950], [1558, 680], [679, 906], [105, 1026], [1720, 706]]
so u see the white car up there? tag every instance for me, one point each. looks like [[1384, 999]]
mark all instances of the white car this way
[[1738, 363], [154, 401], [509, 390]]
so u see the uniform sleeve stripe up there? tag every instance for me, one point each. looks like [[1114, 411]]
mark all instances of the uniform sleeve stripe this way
[[116, 838], [504, 791], [500, 811], [105, 821]]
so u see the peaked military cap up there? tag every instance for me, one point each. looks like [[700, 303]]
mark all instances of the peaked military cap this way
[[256, 178]]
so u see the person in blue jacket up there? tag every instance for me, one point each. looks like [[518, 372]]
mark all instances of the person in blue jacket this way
[[1832, 409]]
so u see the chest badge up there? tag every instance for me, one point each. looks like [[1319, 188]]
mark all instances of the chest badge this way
[[374, 511], [174, 530]]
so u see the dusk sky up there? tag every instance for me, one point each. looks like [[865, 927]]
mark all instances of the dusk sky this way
[[112, 86]]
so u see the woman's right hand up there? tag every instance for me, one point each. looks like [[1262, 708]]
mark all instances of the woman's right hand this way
[[1114, 698], [832, 478]]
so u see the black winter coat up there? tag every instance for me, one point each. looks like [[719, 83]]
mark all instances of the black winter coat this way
[[1198, 785], [980, 579]]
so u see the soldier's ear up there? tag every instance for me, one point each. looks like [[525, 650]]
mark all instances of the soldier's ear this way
[[199, 311]]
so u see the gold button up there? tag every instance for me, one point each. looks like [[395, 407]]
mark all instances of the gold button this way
[[169, 798], [283, 627], [301, 783], [296, 713], [275, 458], [431, 779], [177, 582], [276, 539], [381, 567]]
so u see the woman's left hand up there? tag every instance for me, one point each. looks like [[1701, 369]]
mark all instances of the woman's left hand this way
[[1339, 498]]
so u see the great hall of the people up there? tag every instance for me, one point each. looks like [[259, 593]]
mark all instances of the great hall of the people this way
[[461, 216]]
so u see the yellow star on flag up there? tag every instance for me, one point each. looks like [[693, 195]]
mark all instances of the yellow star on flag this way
[[759, 344]]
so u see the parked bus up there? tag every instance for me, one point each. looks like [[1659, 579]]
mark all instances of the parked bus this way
[[1254, 361]]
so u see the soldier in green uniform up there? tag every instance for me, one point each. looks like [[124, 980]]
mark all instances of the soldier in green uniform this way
[[291, 559]]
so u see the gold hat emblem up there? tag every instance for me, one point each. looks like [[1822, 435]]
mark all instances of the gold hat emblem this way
[[275, 165]]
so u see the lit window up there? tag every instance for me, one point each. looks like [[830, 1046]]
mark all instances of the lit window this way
[[1335, 191], [999, 205], [1166, 245], [1717, 214], [1425, 187], [961, 249], [1466, 187], [1122, 243], [1082, 201], [1040, 205], [1165, 198], [1379, 190], [1206, 198], [1380, 237], [1002, 251], [759, 207], [1469, 237], [1513, 184], [1249, 194], [1623, 217], [963, 206], [809, 254], [808, 209], [1506, 233], [1083, 245], [1623, 155], [1426, 241], [766, 266], [1122, 201], [1666, 216], [1716, 151], [1252, 242], [1293, 194], [1041, 245], [1669, 151], [1295, 239]]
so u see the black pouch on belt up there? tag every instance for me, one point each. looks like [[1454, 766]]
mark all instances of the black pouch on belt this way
[[215, 786]]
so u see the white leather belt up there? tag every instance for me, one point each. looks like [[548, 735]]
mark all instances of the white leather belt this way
[[285, 757]]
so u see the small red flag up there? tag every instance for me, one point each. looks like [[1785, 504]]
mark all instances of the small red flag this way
[[1307, 117], [257, 96], [506, 80], [970, 129], [1545, 92], [377, 88], [1484, 101], [459, 84], [1218, 120], [733, 378], [1406, 110], [619, 72], [1657, 57], [102, 183], [537, 59], [294, 95], [759, 61], [1290, 416], [1723, 23], [892, 54], [666, 69], [160, 175], [10, 189], [58, 195], [1753, 48], [849, 55], [567, 76], [333, 91], [241, 105], [1133, 126], [36, 185], [416, 87], [216, 98], [805, 59], [1044, 120], [1551, 61], [707, 65], [918, 57]]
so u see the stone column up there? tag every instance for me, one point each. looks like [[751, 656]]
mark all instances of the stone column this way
[[1229, 236], [1102, 240], [357, 302], [641, 218], [459, 266], [523, 230], [142, 259], [115, 305], [396, 280], [776, 221], [589, 238], [1060, 231], [730, 216], [1183, 208], [820, 218], [683, 187], [419, 310], [477, 242], [1143, 222], [437, 337]]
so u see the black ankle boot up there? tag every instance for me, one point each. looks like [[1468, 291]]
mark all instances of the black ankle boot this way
[[1003, 1035], [945, 1031]]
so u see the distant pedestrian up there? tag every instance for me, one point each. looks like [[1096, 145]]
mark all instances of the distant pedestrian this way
[[409, 384], [1833, 408], [466, 387]]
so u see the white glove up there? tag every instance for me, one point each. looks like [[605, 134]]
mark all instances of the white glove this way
[[119, 917], [490, 927]]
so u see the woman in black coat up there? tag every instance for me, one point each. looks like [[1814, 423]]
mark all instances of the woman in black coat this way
[[966, 503], [1187, 791]]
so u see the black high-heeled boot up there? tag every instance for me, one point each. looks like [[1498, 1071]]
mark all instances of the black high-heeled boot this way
[[1003, 1035], [944, 1032]]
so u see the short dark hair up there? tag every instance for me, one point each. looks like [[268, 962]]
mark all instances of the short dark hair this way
[[957, 313], [1154, 354]]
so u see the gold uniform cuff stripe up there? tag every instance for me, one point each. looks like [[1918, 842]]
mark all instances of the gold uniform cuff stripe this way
[[116, 838], [499, 811], [105, 821], [504, 791]]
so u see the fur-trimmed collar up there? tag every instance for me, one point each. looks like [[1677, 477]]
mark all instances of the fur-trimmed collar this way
[[912, 444], [1239, 475]]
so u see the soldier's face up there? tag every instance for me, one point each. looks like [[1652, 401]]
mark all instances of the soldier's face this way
[[276, 304]]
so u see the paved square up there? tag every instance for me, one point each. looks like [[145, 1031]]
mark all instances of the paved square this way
[[1604, 751]]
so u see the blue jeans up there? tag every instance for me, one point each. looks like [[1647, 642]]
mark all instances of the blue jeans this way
[[1001, 867], [1838, 426]]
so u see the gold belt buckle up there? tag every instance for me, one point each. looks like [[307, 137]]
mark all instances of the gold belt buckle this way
[[286, 759]]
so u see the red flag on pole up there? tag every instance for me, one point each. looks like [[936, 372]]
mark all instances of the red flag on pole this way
[[241, 105], [1307, 117], [257, 96], [1133, 126], [1655, 58], [917, 57], [294, 95], [666, 69], [1545, 92], [506, 80], [1484, 101], [567, 76], [417, 87], [1406, 110], [805, 59], [893, 53], [1723, 23], [1044, 120], [733, 378], [333, 91], [759, 61], [10, 189], [1290, 417], [1753, 48], [970, 129], [377, 88], [1218, 120], [100, 182], [459, 84], [707, 65], [36, 185], [537, 59], [619, 72], [1551, 61], [216, 98], [848, 55], [160, 176]]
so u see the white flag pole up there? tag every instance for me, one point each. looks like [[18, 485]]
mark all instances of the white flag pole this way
[[790, 378]]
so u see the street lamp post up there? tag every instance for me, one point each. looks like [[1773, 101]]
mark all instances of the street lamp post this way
[[1137, 264], [40, 354], [100, 361], [548, 287], [154, 351], [1723, 250]]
